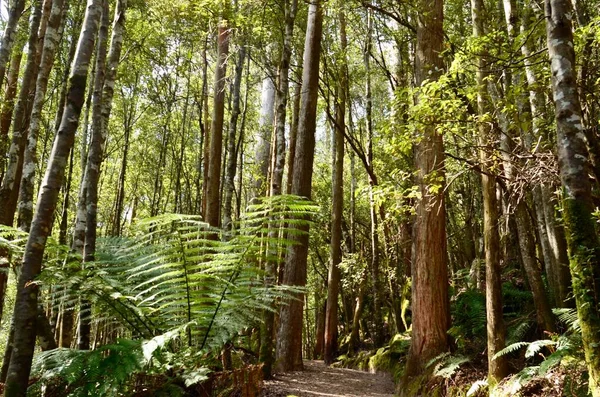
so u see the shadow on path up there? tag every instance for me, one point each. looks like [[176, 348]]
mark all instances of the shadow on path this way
[[319, 380]]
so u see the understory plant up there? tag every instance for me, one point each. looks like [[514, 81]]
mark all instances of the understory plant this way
[[166, 299]]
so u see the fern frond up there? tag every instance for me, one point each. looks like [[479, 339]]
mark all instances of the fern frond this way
[[510, 349]]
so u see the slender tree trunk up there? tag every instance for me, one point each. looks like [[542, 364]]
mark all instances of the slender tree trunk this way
[[64, 217], [553, 247], [10, 31], [277, 166], [92, 172], [52, 37], [120, 199], [375, 262], [577, 197], [265, 132], [289, 338], [558, 247], [232, 141], [108, 91], [337, 199], [10, 183], [430, 301], [281, 101], [27, 292], [353, 343], [5, 120], [293, 134], [543, 310], [496, 330], [10, 93], [213, 204], [205, 129]]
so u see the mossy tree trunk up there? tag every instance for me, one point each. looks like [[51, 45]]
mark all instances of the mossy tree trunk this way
[[574, 170]]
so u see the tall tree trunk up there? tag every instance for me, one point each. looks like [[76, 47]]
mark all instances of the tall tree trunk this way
[[112, 62], [108, 91], [289, 338], [553, 247], [27, 291], [52, 37], [430, 301], [92, 172], [265, 132], [204, 125], [337, 199], [232, 141], [277, 166], [10, 93], [293, 134], [375, 262], [213, 203], [577, 197], [10, 31], [5, 121], [10, 183], [496, 330]]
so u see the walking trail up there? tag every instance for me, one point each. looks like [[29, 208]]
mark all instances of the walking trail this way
[[320, 380]]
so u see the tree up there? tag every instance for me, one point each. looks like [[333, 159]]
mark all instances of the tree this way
[[9, 190], [430, 301], [277, 168], [213, 183], [52, 37], [289, 337], [8, 38], [337, 199], [496, 331], [27, 292], [577, 197]]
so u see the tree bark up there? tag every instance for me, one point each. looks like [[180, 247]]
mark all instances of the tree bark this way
[[293, 134], [265, 132], [337, 199], [27, 292], [10, 183], [430, 301], [10, 93], [577, 197], [10, 31], [277, 166], [213, 203], [52, 37], [92, 172], [289, 338], [232, 141], [375, 258], [496, 330]]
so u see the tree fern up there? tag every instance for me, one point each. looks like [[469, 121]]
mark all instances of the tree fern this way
[[179, 291]]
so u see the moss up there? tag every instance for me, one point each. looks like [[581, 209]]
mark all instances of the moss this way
[[585, 272], [380, 361]]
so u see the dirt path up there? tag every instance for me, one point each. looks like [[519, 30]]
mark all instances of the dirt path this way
[[319, 380]]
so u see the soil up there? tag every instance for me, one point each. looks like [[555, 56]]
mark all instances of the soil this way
[[320, 380]]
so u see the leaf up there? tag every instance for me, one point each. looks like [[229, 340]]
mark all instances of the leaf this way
[[475, 387]]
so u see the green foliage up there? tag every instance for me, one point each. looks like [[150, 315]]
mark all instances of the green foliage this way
[[178, 289], [446, 364], [468, 318], [565, 349]]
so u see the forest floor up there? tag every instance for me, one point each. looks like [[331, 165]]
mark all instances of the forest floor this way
[[320, 380]]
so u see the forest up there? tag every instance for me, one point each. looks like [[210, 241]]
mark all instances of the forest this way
[[198, 197]]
